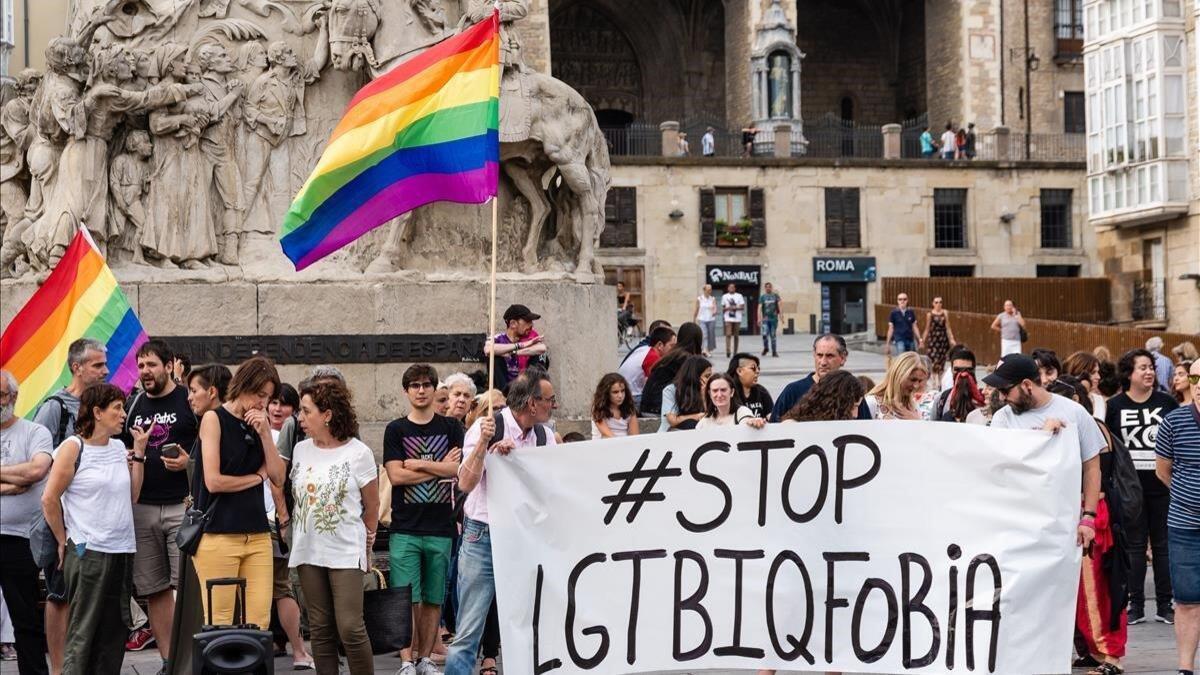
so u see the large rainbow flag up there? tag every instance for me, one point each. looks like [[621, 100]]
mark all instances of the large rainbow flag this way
[[81, 298], [426, 131]]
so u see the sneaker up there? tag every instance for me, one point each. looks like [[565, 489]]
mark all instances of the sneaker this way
[[7, 652], [426, 667], [139, 640], [1165, 615], [407, 668], [764, 351], [1136, 615]]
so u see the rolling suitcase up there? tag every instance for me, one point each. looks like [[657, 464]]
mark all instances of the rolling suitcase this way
[[238, 648]]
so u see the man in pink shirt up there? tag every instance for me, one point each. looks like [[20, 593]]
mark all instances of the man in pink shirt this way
[[531, 402]]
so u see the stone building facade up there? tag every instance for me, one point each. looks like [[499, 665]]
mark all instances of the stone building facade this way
[[825, 230], [1143, 65]]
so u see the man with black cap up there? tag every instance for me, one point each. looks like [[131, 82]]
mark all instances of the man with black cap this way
[[1030, 406], [513, 349]]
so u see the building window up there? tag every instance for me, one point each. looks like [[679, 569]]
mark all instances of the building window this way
[[1068, 29], [842, 227], [1074, 112], [949, 218], [620, 219], [1047, 271], [1056, 219], [951, 270], [733, 217]]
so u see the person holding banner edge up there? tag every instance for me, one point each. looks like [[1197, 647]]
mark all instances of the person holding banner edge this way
[[1031, 407], [531, 402]]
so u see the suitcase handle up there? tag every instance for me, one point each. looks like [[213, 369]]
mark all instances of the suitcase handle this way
[[239, 604]]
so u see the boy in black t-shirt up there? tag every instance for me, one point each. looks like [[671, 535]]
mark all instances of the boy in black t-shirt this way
[[1133, 417], [162, 408], [421, 453]]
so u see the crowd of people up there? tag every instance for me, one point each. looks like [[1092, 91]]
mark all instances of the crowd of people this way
[[297, 505]]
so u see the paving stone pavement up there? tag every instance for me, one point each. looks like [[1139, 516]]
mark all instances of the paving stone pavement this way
[[1151, 645]]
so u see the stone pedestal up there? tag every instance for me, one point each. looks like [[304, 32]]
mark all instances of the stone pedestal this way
[[577, 322], [783, 140], [1000, 141], [891, 141], [670, 138]]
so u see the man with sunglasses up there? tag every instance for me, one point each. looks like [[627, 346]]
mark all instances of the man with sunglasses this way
[[1031, 407], [1178, 465], [421, 453]]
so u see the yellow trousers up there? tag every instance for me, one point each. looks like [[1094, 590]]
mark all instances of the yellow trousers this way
[[236, 555]]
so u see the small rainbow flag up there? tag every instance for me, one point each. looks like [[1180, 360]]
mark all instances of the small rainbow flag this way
[[81, 298], [426, 131]]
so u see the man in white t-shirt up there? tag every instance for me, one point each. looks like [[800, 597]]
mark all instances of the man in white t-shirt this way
[[949, 142], [1030, 406], [733, 306]]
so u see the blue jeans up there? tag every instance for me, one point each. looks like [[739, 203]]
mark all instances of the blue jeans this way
[[768, 333], [901, 346], [709, 330], [476, 588]]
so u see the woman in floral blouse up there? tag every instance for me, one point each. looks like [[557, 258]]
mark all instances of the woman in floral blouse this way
[[333, 525]]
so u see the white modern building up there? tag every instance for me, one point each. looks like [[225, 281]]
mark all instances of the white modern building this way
[[1141, 88]]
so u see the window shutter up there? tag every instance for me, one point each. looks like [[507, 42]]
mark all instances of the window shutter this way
[[620, 218], [851, 229], [834, 219], [708, 216], [758, 217]]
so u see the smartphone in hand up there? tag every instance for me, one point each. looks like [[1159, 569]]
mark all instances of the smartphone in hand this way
[[171, 451]]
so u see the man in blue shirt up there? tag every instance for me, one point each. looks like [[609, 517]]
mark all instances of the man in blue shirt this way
[[829, 355], [1178, 466], [928, 147], [902, 328]]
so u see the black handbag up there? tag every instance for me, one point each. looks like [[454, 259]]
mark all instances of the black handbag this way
[[387, 613], [1024, 334], [187, 539]]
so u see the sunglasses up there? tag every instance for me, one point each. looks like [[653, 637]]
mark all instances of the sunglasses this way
[[1194, 379], [963, 369]]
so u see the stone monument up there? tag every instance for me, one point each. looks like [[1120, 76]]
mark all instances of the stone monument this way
[[178, 132]]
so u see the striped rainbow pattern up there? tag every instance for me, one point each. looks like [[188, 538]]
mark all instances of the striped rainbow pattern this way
[[81, 298], [426, 131]]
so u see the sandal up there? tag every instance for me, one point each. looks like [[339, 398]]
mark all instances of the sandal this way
[[1085, 661], [1106, 669]]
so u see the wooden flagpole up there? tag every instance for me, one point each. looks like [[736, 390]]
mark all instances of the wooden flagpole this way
[[492, 305]]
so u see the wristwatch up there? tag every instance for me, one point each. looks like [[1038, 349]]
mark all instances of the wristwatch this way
[[140, 459]]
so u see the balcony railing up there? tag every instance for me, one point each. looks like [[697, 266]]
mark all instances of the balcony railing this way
[[1150, 300], [832, 138]]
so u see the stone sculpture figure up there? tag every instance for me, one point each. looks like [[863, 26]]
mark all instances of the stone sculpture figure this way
[[352, 26], [217, 146], [177, 231], [274, 111], [16, 135], [80, 194], [251, 61], [432, 16], [127, 181]]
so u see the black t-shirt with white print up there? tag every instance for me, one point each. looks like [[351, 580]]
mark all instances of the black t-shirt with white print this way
[[174, 422], [1136, 426]]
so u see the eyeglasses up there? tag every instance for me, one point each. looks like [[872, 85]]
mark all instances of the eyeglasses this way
[[964, 369], [7, 395], [553, 399], [421, 385]]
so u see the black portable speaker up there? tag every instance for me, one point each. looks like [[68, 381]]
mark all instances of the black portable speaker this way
[[237, 648]]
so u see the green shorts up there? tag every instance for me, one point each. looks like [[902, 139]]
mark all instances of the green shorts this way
[[422, 562]]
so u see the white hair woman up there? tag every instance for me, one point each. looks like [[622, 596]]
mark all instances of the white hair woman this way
[[462, 395]]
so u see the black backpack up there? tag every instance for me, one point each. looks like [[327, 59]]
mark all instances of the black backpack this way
[[1123, 480], [65, 420]]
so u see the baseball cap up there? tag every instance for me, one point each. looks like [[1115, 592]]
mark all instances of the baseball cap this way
[[1013, 369], [515, 312]]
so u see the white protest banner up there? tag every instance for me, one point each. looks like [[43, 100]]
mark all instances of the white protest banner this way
[[853, 546]]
